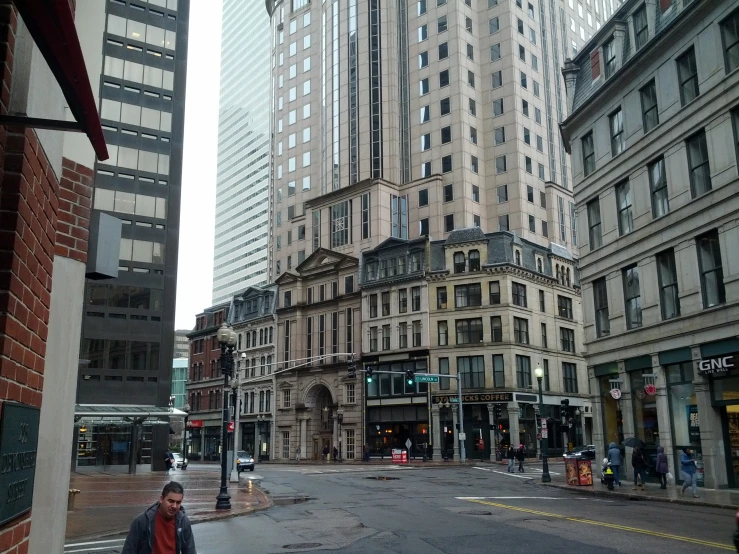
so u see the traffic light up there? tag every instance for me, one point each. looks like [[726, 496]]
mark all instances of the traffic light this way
[[564, 408], [352, 368], [409, 376], [498, 411], [368, 373]]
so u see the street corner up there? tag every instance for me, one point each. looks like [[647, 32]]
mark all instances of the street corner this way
[[244, 500]]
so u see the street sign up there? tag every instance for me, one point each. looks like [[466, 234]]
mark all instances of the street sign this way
[[231, 426], [420, 378], [463, 436], [544, 433], [408, 444], [538, 437]]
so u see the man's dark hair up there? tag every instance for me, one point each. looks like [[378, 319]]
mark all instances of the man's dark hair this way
[[172, 486]]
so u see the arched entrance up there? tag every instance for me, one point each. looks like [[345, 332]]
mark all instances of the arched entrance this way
[[321, 423]]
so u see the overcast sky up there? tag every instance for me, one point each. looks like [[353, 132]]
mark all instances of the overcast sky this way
[[195, 270]]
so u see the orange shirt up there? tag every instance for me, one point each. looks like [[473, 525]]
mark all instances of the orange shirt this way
[[164, 535]]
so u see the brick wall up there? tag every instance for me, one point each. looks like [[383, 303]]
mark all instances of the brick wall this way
[[75, 201]]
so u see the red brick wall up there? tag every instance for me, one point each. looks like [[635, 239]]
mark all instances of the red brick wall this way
[[75, 201]]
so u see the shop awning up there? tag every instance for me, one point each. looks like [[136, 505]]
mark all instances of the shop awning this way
[[123, 413], [51, 24]]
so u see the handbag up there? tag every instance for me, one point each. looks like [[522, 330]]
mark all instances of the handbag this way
[[669, 477]]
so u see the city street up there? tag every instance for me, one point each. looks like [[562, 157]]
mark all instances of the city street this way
[[367, 509]]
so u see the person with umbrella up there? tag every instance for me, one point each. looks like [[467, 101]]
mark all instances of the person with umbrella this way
[[638, 461]]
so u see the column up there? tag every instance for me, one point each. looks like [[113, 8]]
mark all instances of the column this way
[[713, 448], [455, 421], [626, 405], [601, 442], [513, 424], [438, 438], [493, 431], [303, 425], [335, 436], [663, 410]]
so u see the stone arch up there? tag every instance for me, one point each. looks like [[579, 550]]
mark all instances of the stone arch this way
[[313, 391]]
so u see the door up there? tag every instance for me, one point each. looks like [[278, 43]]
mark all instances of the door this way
[[316, 451]]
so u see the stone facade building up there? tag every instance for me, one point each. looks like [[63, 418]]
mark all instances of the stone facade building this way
[[499, 306], [318, 404], [653, 132], [395, 337], [252, 317]]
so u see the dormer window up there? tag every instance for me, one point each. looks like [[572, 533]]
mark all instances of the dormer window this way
[[459, 262], [641, 27], [474, 260], [372, 271], [568, 277], [401, 265], [609, 53], [539, 265], [415, 261], [383, 269], [517, 257]]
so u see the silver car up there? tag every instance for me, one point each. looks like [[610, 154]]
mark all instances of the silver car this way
[[244, 461], [179, 461]]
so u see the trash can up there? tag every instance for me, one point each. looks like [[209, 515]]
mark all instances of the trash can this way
[[70, 499], [579, 472]]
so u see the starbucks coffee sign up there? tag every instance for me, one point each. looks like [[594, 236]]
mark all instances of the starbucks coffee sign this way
[[714, 366]]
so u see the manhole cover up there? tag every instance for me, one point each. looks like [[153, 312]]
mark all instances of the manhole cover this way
[[382, 478], [476, 513], [302, 545]]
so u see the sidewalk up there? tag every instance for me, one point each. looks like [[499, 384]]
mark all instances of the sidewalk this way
[[110, 500]]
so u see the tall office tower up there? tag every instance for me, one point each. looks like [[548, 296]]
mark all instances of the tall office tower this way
[[416, 118], [128, 323], [242, 193]]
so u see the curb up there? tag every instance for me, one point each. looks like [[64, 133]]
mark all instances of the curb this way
[[629, 496]]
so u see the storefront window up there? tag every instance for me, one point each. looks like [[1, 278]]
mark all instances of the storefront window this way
[[646, 423], [613, 423], [683, 410], [726, 389]]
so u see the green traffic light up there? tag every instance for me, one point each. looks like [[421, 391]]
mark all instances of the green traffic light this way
[[410, 381], [369, 379]]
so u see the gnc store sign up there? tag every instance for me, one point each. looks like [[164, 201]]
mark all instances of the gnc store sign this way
[[717, 366]]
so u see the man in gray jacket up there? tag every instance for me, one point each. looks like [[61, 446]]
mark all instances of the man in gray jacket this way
[[614, 457], [163, 528]]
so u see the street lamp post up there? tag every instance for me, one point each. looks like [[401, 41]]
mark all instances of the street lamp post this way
[[236, 397], [227, 340], [260, 423], [545, 478], [340, 419], [577, 426], [186, 408]]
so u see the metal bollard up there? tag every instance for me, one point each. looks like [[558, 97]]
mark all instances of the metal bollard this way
[[70, 499]]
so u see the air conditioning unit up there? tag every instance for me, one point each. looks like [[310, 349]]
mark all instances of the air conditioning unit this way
[[280, 26]]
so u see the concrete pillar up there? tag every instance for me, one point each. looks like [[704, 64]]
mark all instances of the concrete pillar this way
[[438, 438], [303, 425], [455, 421], [712, 438], [627, 411], [513, 429], [663, 409], [493, 431], [597, 438]]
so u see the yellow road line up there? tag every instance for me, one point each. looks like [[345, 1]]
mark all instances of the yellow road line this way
[[609, 525]]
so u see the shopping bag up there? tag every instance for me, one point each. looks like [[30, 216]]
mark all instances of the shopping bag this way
[[669, 476]]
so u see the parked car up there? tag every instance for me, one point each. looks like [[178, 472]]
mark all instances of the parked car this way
[[179, 461], [586, 452], [244, 461]]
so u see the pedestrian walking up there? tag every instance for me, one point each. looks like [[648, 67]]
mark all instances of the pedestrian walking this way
[[520, 456], [366, 452], [335, 454], [688, 472], [169, 461], [614, 457], [639, 463], [163, 528], [511, 455], [297, 454], [325, 453], [661, 467]]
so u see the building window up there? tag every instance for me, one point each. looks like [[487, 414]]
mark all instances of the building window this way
[[474, 260], [521, 330], [523, 372], [498, 371], [594, 228], [569, 374], [416, 333], [650, 113], [519, 294], [385, 303], [444, 370], [441, 302], [494, 292], [588, 154], [449, 223], [632, 297], [564, 304], [688, 76], [340, 223], [402, 301], [502, 193], [496, 326], [349, 330], [386, 337], [286, 444], [472, 371], [544, 336], [373, 305], [423, 230], [641, 28], [567, 339], [658, 188], [730, 34], [609, 53], [466, 296], [667, 278], [416, 299], [399, 216], [700, 170], [600, 302], [623, 200], [443, 332], [711, 270], [423, 197], [469, 331], [350, 443], [286, 399], [616, 122], [366, 216], [459, 262]]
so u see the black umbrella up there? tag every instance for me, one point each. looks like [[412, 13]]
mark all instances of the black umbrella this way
[[633, 442]]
